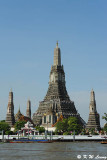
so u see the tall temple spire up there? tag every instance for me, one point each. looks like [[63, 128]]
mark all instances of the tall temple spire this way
[[92, 95], [94, 120], [57, 56], [28, 110], [56, 103], [92, 102], [10, 110]]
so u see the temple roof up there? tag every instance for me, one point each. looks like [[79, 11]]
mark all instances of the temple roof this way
[[59, 119], [24, 118]]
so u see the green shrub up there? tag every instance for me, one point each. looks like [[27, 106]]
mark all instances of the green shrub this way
[[66, 133]]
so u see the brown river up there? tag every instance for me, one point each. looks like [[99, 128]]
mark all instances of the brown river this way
[[53, 151]]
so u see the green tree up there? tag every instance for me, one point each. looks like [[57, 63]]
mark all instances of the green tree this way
[[2, 121], [66, 133], [74, 125], [62, 126], [4, 126], [68, 125], [105, 117], [19, 125], [40, 129], [9, 132], [105, 127]]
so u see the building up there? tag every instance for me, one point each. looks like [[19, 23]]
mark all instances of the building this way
[[56, 101], [28, 129], [28, 110], [94, 118], [18, 115], [10, 110]]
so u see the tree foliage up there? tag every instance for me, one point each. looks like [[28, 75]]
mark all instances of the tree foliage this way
[[4, 126], [40, 129], [2, 121], [19, 125], [73, 124], [105, 117], [62, 126], [9, 133], [105, 127], [69, 125]]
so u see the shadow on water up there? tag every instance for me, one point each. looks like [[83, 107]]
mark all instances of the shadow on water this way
[[51, 151]]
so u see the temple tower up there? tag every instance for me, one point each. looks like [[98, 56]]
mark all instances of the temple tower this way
[[57, 56], [18, 115], [28, 110], [57, 99], [94, 119], [10, 110]]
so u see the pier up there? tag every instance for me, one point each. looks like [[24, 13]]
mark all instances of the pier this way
[[61, 138]]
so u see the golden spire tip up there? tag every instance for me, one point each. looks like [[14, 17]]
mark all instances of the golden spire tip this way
[[57, 44]]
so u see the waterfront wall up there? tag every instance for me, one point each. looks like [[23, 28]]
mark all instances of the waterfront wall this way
[[63, 137]]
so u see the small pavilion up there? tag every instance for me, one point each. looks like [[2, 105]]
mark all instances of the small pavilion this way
[[28, 130]]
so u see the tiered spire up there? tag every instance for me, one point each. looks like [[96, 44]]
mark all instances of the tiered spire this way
[[10, 110], [94, 119], [57, 56], [57, 99], [92, 102], [28, 110]]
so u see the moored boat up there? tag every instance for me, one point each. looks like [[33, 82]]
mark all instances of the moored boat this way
[[104, 142], [45, 141], [28, 140]]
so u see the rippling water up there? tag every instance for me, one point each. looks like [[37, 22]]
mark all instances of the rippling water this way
[[52, 151]]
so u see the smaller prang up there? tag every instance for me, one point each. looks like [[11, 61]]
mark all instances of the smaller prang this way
[[94, 118], [28, 110], [10, 110]]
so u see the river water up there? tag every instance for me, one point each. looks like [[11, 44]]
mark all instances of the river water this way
[[53, 151]]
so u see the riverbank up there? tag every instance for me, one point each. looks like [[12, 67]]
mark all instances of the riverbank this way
[[61, 138]]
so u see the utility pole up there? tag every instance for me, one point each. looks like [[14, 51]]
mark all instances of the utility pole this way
[[2, 135], [45, 134], [74, 136]]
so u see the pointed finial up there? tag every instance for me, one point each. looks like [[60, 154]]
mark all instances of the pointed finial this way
[[11, 90], [19, 107], [92, 90], [57, 44], [29, 99]]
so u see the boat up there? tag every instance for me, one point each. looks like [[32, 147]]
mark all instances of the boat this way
[[45, 141], [104, 142], [24, 140]]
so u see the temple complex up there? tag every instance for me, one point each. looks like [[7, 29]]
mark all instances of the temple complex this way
[[10, 110], [94, 120], [56, 103]]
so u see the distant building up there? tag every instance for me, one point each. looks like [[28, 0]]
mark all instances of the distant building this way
[[56, 101], [28, 110], [10, 110], [18, 115], [94, 118], [11, 119]]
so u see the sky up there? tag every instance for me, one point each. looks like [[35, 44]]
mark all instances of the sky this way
[[28, 34]]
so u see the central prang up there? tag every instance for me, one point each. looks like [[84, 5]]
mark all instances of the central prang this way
[[56, 103]]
